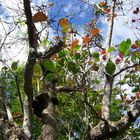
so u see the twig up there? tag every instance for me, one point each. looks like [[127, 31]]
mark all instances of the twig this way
[[126, 68]]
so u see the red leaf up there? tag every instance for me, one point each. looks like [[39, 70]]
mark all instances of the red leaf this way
[[103, 52], [86, 39], [75, 43]]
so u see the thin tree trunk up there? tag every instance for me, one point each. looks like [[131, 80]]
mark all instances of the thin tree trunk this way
[[110, 25], [106, 97], [109, 79], [28, 73]]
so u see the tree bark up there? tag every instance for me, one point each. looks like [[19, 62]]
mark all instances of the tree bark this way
[[49, 129], [111, 129], [106, 97], [28, 73], [109, 79]]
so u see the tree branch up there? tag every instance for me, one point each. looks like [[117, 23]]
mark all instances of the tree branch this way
[[111, 129], [126, 68], [66, 89]]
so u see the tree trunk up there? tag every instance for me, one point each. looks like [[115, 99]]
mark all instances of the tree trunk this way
[[49, 129], [106, 98], [28, 74]]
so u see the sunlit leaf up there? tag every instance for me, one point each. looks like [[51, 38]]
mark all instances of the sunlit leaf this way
[[125, 46], [39, 16], [110, 67], [95, 55], [74, 43], [86, 39], [63, 22], [48, 64], [65, 29], [102, 3], [77, 47], [111, 49]]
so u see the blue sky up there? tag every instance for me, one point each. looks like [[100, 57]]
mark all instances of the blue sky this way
[[79, 13]]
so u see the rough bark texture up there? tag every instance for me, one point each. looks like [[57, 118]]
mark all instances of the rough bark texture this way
[[28, 74], [111, 129], [49, 129]]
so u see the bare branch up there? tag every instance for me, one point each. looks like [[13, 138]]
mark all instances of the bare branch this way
[[126, 68], [66, 89]]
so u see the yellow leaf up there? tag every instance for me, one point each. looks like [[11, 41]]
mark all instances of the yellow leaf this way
[[102, 3], [74, 43], [63, 22], [39, 16], [95, 31]]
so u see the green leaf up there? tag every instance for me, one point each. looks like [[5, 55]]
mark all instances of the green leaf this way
[[72, 26], [63, 53], [137, 42], [73, 67], [96, 81], [14, 66], [45, 41], [77, 48], [50, 76], [84, 53], [65, 29], [77, 56], [124, 47], [111, 49], [51, 4], [95, 55], [37, 68], [48, 64], [110, 67]]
